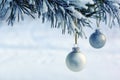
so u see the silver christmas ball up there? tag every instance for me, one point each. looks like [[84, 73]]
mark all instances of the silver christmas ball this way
[[97, 39], [76, 60]]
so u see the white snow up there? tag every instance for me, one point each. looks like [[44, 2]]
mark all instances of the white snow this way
[[31, 50], [80, 3]]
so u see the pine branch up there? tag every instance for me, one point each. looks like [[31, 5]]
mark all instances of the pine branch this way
[[62, 13], [108, 11]]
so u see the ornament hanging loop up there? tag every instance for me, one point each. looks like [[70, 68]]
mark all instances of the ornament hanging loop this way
[[76, 38], [98, 22], [76, 34]]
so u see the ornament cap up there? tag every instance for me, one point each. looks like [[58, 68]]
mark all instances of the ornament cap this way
[[97, 31], [76, 49]]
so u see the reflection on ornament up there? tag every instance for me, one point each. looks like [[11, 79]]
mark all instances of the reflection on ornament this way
[[97, 39], [76, 60]]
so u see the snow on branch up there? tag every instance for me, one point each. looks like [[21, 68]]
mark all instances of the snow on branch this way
[[62, 13]]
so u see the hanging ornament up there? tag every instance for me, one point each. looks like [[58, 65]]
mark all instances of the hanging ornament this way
[[75, 60], [97, 39]]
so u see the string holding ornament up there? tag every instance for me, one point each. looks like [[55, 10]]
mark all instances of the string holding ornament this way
[[97, 39], [76, 60]]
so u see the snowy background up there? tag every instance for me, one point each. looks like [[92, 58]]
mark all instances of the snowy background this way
[[31, 50]]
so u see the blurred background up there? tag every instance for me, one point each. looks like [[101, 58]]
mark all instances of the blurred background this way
[[31, 50]]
